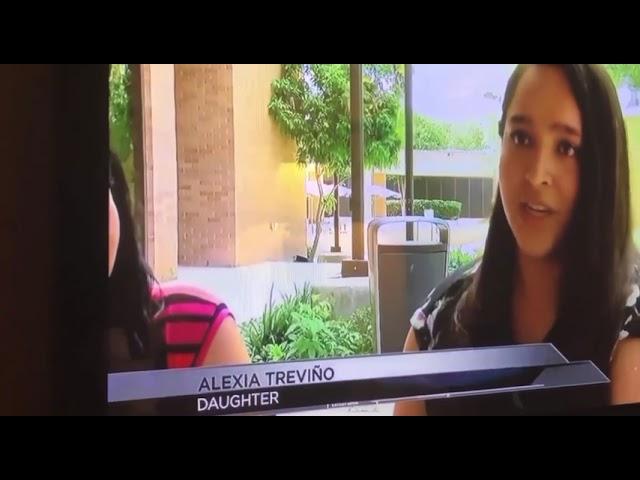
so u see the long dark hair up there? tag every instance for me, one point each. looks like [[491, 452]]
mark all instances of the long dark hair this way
[[130, 303], [597, 263]]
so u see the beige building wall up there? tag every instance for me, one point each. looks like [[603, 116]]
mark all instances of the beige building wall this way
[[379, 203], [269, 185]]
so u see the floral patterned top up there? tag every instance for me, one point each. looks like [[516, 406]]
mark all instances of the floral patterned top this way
[[436, 323]]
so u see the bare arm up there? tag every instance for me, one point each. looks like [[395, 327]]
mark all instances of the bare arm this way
[[227, 347], [414, 408], [625, 372]]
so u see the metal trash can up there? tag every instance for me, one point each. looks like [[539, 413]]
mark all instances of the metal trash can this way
[[402, 273]]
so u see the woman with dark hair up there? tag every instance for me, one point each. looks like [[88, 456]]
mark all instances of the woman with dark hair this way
[[559, 265], [154, 326]]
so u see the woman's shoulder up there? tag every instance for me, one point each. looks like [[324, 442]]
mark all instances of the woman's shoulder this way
[[177, 300], [438, 314], [190, 318], [177, 290], [631, 320]]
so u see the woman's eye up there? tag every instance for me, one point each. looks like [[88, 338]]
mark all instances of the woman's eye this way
[[566, 148], [520, 137]]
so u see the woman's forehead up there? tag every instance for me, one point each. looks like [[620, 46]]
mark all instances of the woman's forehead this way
[[544, 98]]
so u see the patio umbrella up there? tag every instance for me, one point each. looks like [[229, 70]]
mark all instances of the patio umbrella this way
[[380, 191], [312, 189]]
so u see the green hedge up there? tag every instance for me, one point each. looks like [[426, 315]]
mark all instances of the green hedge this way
[[394, 208], [445, 209]]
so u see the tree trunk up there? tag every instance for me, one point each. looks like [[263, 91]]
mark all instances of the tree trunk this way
[[318, 217], [336, 215], [320, 213], [403, 209], [316, 241]]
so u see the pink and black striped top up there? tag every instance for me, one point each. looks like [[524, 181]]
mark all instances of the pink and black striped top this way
[[189, 320]]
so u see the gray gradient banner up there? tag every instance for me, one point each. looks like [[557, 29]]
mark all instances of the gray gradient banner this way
[[198, 381]]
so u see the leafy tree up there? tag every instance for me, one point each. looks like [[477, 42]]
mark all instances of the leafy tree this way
[[311, 104], [432, 134], [120, 110], [624, 71], [121, 121]]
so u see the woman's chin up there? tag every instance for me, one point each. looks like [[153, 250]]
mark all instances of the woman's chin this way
[[536, 250]]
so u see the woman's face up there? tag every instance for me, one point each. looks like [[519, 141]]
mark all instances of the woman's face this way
[[539, 165], [114, 232]]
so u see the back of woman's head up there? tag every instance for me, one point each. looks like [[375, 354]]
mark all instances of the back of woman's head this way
[[130, 303]]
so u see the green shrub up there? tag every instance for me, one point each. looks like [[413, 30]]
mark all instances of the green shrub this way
[[394, 208], [445, 209], [363, 320], [304, 326], [459, 258]]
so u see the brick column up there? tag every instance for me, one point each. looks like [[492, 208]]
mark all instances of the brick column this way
[[206, 170], [241, 196]]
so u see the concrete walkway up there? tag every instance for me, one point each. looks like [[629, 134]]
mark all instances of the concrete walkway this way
[[465, 233], [246, 290]]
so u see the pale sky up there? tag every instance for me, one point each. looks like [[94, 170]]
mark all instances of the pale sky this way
[[470, 93], [456, 92]]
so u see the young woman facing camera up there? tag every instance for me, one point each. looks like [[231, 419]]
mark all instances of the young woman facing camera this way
[[559, 264]]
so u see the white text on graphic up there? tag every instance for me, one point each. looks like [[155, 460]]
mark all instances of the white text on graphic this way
[[238, 400], [228, 382], [317, 374]]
